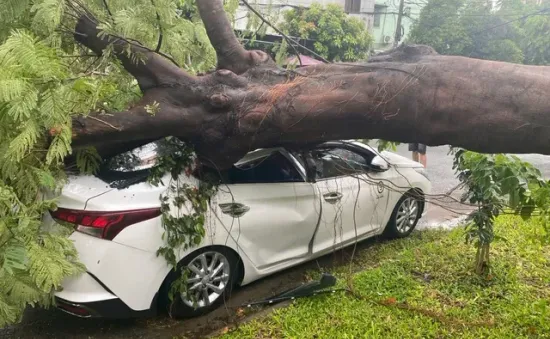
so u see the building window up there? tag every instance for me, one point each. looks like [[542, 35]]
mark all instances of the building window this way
[[353, 6], [378, 10]]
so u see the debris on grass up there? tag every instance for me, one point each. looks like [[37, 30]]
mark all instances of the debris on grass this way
[[424, 286]]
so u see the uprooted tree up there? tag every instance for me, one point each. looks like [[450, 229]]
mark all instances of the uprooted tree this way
[[247, 102], [409, 94]]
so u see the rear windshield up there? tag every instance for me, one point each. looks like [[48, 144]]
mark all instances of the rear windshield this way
[[143, 157], [134, 166]]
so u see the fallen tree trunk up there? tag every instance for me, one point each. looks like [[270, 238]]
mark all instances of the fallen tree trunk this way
[[411, 94]]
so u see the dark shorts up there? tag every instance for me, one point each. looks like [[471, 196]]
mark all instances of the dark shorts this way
[[420, 148]]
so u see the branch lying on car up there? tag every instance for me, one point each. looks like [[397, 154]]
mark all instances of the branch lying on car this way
[[408, 94]]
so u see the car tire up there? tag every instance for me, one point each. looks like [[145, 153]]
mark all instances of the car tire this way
[[200, 280], [405, 216]]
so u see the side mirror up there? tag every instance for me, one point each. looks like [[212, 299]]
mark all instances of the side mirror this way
[[379, 163]]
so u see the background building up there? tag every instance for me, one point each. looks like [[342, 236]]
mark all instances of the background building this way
[[380, 16], [363, 9], [385, 21]]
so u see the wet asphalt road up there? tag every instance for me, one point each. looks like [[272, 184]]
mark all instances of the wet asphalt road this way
[[39, 323], [446, 212], [440, 165]]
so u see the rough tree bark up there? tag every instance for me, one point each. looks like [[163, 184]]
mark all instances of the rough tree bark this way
[[411, 94]]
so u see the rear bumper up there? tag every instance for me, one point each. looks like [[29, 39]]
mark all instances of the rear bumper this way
[[84, 288], [115, 271], [112, 308], [86, 297]]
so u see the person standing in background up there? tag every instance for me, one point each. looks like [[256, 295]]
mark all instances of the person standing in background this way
[[418, 153]]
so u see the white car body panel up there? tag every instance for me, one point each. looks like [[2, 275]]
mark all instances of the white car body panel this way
[[83, 289], [280, 223], [283, 227], [399, 160], [348, 217], [133, 275], [80, 189]]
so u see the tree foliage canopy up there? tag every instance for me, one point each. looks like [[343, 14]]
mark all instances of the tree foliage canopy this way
[[337, 36], [45, 80], [536, 46], [512, 32]]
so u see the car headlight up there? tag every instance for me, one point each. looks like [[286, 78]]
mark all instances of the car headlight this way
[[422, 170]]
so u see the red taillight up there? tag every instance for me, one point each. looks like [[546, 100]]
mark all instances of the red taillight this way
[[105, 225]]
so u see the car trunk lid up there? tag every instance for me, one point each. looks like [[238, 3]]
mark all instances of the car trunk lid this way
[[75, 195]]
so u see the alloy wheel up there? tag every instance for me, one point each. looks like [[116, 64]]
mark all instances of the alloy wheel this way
[[407, 215], [209, 275]]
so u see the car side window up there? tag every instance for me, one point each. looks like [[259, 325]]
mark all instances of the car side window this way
[[273, 168], [335, 162]]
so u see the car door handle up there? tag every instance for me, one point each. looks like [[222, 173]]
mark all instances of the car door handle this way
[[332, 197], [234, 209]]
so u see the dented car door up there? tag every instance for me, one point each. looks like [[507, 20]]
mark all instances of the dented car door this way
[[269, 208]]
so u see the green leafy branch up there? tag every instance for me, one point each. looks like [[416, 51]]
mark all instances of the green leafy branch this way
[[183, 205], [497, 184]]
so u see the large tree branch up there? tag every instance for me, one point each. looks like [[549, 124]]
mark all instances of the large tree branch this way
[[231, 54], [408, 95], [135, 124], [480, 105], [149, 68], [195, 110]]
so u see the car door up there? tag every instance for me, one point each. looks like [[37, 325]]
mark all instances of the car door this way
[[379, 187], [350, 198], [269, 208]]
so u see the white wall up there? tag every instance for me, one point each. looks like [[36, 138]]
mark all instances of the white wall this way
[[366, 15], [277, 6]]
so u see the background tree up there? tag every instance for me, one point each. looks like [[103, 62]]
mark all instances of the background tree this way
[[511, 31], [536, 46], [337, 36], [440, 27]]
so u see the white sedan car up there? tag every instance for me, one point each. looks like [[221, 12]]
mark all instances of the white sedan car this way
[[270, 214]]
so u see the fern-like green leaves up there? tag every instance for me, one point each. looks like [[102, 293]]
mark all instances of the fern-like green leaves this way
[[45, 80]]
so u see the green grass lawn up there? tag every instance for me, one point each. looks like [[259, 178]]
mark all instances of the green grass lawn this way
[[424, 287]]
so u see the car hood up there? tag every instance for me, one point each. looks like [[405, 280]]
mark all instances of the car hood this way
[[399, 161]]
